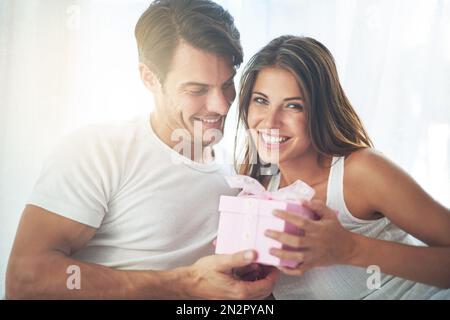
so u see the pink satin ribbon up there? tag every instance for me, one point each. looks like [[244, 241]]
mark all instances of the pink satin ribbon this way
[[295, 192]]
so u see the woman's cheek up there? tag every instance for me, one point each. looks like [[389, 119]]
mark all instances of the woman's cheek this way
[[252, 118]]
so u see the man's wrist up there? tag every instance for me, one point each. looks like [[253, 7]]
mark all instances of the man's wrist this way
[[163, 284], [181, 281]]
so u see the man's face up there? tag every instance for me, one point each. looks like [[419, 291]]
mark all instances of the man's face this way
[[197, 92]]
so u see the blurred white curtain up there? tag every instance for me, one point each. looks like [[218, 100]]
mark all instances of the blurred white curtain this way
[[65, 63]]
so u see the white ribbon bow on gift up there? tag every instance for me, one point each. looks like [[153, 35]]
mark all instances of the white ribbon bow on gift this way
[[295, 192]]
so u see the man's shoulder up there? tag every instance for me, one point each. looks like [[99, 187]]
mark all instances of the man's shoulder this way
[[105, 141], [107, 133]]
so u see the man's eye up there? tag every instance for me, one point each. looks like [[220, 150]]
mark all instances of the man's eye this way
[[228, 85], [198, 92], [295, 106]]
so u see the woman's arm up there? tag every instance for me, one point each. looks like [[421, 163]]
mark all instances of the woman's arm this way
[[373, 183], [430, 265], [387, 189]]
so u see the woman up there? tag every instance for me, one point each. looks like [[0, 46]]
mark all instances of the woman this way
[[299, 118]]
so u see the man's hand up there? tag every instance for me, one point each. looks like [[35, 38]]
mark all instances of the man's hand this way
[[212, 277], [43, 250], [252, 272]]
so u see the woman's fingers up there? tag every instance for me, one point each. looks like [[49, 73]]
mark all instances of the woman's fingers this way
[[299, 271], [320, 208], [293, 241], [301, 222], [288, 255]]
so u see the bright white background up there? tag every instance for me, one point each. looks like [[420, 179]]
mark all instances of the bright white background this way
[[66, 63]]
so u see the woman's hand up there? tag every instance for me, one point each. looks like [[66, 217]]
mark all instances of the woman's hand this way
[[325, 242]]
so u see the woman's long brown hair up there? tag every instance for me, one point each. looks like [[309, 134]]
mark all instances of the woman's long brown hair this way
[[333, 125]]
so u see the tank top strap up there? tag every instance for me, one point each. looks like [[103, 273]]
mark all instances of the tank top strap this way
[[335, 186]]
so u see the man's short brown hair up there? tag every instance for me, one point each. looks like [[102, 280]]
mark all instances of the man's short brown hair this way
[[201, 23]]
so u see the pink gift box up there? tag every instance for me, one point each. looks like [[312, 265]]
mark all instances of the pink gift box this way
[[243, 221]]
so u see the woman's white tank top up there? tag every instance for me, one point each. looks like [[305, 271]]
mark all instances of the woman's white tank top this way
[[348, 282]]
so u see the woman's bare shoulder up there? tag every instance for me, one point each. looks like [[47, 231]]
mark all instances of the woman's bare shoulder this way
[[366, 172], [368, 163]]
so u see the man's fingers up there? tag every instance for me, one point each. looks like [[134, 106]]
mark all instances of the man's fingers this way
[[262, 288], [227, 262], [249, 269]]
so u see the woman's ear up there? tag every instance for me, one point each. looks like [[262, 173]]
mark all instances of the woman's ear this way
[[149, 78]]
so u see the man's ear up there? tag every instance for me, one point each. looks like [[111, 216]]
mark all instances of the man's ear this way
[[149, 78]]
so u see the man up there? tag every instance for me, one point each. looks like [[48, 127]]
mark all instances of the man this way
[[112, 215]]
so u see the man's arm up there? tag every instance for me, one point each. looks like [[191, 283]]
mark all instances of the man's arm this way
[[41, 255]]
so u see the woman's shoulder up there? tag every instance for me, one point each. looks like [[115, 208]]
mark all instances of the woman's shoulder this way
[[368, 161], [369, 170], [365, 173]]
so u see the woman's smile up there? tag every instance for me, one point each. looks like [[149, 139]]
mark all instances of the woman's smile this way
[[271, 141]]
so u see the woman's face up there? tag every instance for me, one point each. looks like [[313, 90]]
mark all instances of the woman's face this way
[[276, 116]]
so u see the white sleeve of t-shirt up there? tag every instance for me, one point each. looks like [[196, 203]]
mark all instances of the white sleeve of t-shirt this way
[[77, 179]]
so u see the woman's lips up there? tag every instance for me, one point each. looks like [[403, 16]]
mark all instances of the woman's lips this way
[[272, 141]]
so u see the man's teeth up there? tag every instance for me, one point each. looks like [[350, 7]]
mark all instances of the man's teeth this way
[[273, 139], [209, 120]]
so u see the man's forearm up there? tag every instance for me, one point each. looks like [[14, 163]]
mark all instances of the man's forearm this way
[[46, 277], [430, 265]]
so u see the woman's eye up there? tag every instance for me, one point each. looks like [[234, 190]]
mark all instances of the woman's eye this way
[[295, 106], [259, 100]]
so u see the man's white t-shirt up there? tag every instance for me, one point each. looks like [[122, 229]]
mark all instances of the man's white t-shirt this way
[[152, 207]]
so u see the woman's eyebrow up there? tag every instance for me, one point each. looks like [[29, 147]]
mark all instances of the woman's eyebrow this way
[[260, 93], [293, 98], [286, 99]]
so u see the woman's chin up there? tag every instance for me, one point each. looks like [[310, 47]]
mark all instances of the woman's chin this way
[[269, 158]]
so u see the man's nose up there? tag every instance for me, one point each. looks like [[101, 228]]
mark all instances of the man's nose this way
[[218, 103]]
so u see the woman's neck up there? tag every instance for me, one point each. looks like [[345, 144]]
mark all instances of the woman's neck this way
[[305, 168]]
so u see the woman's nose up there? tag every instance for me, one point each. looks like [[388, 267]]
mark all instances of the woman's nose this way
[[271, 119]]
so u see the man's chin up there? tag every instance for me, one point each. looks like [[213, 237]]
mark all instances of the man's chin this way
[[210, 143], [211, 137]]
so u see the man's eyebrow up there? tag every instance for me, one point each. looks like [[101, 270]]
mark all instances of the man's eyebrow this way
[[231, 78], [287, 99], [193, 83], [200, 84]]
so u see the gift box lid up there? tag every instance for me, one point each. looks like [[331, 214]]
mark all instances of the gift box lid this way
[[264, 207]]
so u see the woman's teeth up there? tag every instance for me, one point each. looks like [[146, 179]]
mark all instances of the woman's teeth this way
[[273, 139]]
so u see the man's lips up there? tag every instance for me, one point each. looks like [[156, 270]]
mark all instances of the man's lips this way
[[210, 122]]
